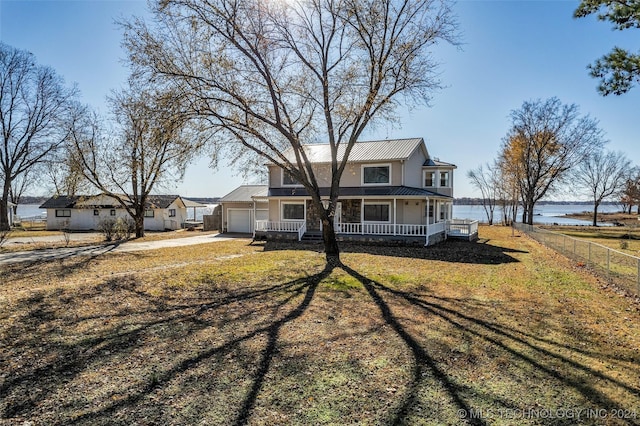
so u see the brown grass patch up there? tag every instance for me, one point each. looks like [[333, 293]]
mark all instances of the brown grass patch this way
[[231, 333]]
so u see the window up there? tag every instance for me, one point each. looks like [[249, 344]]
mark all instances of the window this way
[[172, 212], [148, 213], [292, 211], [376, 212], [444, 179], [443, 211], [376, 175], [429, 179], [96, 212], [288, 180], [63, 213], [112, 212]]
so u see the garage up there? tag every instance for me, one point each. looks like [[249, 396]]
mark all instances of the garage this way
[[239, 221]]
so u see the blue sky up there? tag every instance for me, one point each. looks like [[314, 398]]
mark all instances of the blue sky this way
[[511, 51]]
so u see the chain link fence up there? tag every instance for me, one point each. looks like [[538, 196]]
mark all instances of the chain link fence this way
[[620, 268]]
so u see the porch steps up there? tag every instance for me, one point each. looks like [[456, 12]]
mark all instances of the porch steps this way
[[312, 237]]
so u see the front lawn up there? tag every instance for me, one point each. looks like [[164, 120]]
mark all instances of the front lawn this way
[[501, 331]]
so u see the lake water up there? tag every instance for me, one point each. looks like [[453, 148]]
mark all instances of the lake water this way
[[544, 214], [547, 214]]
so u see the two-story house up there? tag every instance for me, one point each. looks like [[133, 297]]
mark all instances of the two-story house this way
[[390, 190]]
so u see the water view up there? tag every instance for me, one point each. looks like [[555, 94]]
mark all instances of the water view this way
[[544, 214], [547, 214]]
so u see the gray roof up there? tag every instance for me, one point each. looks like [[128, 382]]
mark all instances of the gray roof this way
[[432, 163], [191, 203], [360, 191], [385, 150], [69, 201], [243, 194], [61, 201], [161, 201]]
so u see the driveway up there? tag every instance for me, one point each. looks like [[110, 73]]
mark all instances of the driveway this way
[[96, 250]]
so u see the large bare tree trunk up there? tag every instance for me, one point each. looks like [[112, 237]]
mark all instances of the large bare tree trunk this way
[[331, 250], [4, 210], [595, 214]]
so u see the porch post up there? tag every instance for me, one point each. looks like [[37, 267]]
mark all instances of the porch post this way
[[394, 215], [253, 223], [362, 217], [426, 243]]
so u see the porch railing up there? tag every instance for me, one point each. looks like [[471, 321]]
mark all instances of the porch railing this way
[[415, 230], [300, 227], [462, 227], [382, 229]]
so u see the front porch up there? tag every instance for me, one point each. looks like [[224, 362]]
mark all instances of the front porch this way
[[427, 234]]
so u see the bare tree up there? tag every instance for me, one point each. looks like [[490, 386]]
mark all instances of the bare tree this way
[[151, 142], [34, 104], [486, 180], [270, 77], [546, 140], [630, 195], [602, 175]]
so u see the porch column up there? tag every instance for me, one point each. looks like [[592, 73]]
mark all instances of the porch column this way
[[437, 212], [362, 217], [253, 222], [426, 242], [394, 215]]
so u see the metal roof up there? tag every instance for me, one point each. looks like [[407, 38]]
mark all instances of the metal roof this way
[[243, 194], [358, 191], [384, 150], [432, 163]]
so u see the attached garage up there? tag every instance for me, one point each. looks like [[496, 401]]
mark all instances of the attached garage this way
[[239, 221], [239, 209]]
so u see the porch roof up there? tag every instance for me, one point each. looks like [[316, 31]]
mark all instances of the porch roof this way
[[359, 191]]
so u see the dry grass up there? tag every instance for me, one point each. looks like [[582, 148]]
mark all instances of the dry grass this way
[[232, 333]]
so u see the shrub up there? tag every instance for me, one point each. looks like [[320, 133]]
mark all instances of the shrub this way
[[107, 228], [624, 244]]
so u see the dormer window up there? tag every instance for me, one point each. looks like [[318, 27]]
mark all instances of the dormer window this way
[[378, 174]]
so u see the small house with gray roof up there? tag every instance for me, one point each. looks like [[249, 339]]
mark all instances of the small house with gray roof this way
[[85, 212], [390, 190]]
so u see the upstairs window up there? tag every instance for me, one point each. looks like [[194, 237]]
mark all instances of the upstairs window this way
[[429, 179], [172, 212], [63, 213], [444, 179], [376, 175], [148, 213], [288, 180]]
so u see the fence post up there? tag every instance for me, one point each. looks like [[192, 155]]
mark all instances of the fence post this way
[[608, 261], [638, 278], [589, 253], [574, 246]]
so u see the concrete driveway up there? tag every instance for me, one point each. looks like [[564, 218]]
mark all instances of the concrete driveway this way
[[97, 250]]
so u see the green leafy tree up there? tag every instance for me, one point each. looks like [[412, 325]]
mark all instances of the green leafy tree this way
[[619, 70]]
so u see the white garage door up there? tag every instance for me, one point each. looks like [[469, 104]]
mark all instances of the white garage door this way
[[239, 221]]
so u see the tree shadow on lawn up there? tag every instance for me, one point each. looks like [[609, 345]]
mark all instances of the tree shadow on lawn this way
[[162, 344], [34, 380], [474, 252], [550, 360]]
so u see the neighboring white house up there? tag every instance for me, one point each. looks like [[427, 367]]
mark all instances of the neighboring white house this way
[[85, 212], [391, 190], [242, 207]]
